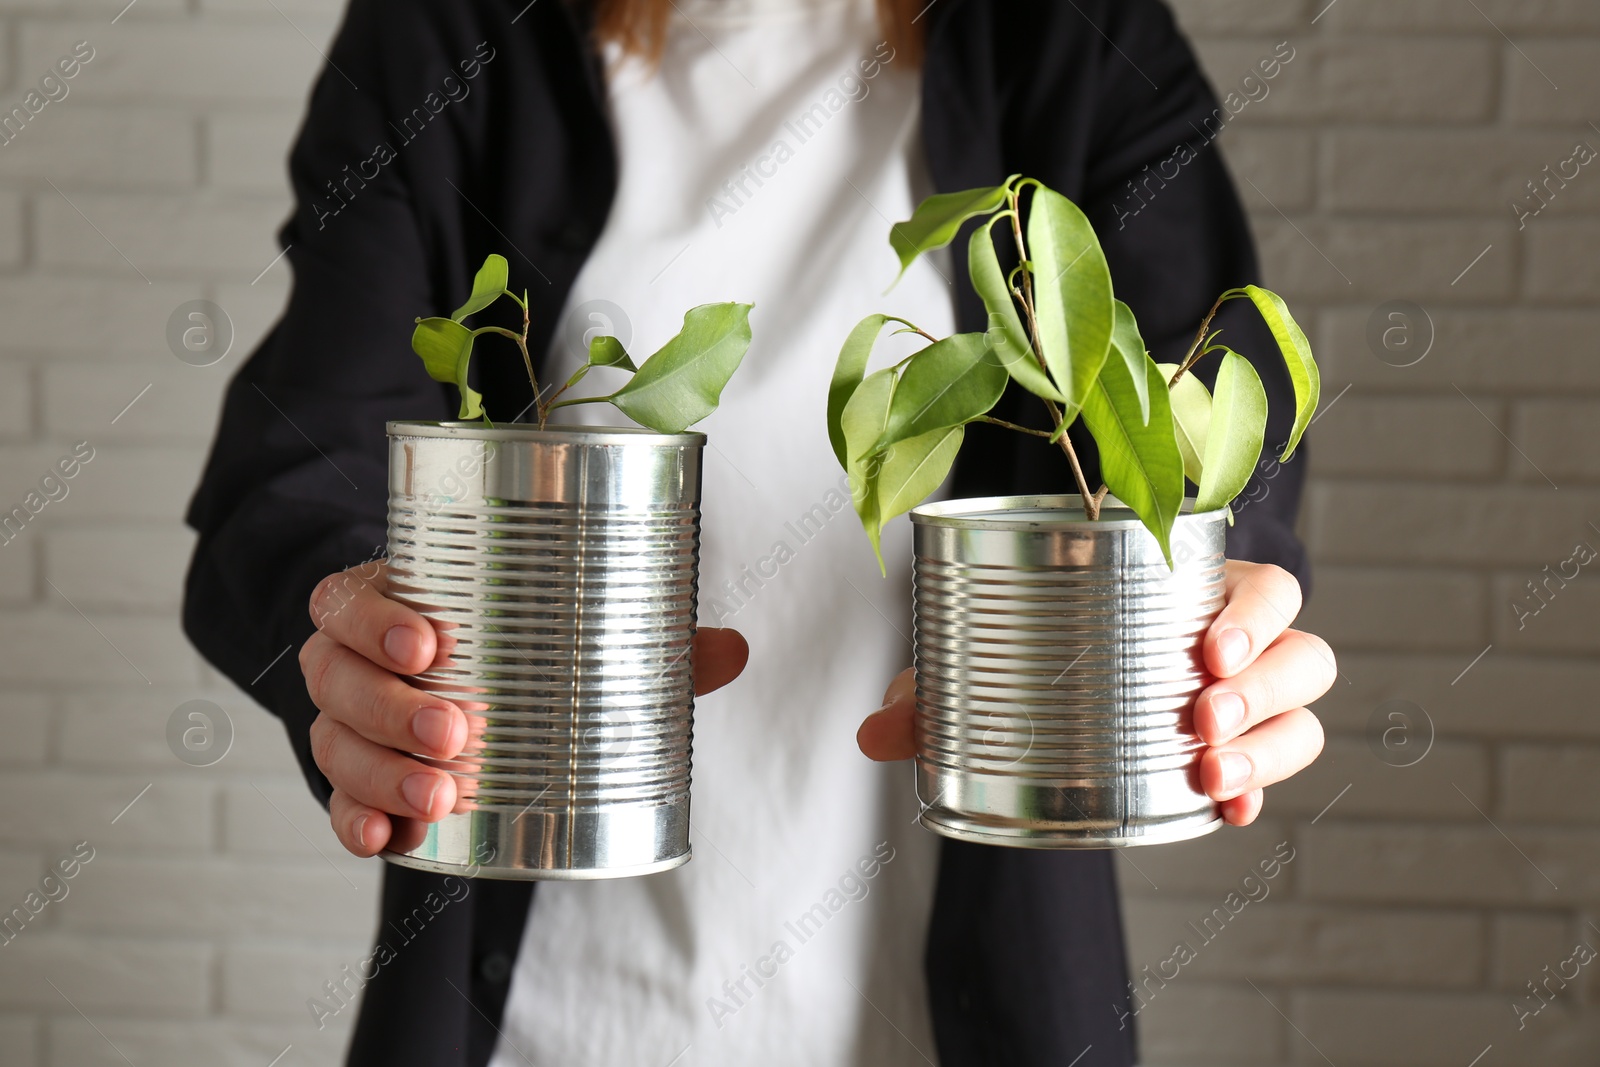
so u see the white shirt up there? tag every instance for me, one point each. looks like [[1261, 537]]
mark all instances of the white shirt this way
[[762, 163]]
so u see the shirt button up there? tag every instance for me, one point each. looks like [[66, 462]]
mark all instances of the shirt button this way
[[495, 967]]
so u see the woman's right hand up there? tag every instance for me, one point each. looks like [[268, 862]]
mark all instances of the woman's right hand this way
[[373, 720]]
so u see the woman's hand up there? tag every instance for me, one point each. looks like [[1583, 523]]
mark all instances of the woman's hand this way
[[1254, 717], [371, 718]]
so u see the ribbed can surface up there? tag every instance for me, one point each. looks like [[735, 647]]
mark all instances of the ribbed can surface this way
[[560, 568], [1057, 663]]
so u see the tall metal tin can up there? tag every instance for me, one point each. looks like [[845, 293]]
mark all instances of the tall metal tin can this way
[[560, 568], [1057, 663]]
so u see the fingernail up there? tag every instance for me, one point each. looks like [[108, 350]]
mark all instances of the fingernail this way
[[420, 789], [1227, 710], [403, 644], [1234, 646], [361, 831], [433, 727], [1236, 770]]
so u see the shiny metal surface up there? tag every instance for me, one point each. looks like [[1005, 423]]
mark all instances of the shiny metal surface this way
[[1057, 662], [560, 566]]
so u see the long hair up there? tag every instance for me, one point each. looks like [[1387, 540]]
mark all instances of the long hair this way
[[639, 27]]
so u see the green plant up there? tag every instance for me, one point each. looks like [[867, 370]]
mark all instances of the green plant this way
[[679, 385], [1057, 329]]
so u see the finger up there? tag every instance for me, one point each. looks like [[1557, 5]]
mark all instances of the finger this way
[[361, 829], [890, 732], [1281, 746], [1263, 601], [380, 777], [378, 705], [1242, 810], [1295, 670], [719, 656], [351, 608]]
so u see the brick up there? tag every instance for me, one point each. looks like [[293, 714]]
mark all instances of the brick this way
[[216, 897], [20, 873], [104, 974], [1539, 16], [1379, 78], [1212, 865], [56, 645], [1551, 783], [1502, 695], [1553, 619], [1556, 435], [1440, 172], [1435, 525], [160, 235], [1277, 941], [65, 808], [273, 981], [1225, 1024], [1281, 163], [249, 152], [95, 559], [1380, 261], [16, 400], [121, 481], [1469, 350], [19, 570], [208, 1043], [25, 723], [1201, 16], [123, 315], [126, 729], [1380, 789], [19, 1041], [1522, 944], [100, 147], [1574, 68], [1384, 1029], [1402, 437], [108, 8], [1362, 608], [176, 407], [204, 61], [277, 816], [1466, 863], [1561, 261], [11, 226]]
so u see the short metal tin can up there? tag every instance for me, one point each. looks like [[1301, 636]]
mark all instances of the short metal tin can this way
[[559, 567], [1057, 663]]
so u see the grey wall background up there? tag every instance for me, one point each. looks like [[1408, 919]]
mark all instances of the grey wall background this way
[[1379, 167]]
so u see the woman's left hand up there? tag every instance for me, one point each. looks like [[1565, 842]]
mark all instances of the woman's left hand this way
[[1254, 716]]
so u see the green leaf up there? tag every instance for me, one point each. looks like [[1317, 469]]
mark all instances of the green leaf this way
[[862, 423], [1072, 294], [1127, 344], [847, 374], [949, 383], [446, 350], [682, 382], [487, 286], [607, 351], [1297, 357], [1191, 413], [935, 221], [1238, 427], [911, 470], [1139, 461], [1005, 332]]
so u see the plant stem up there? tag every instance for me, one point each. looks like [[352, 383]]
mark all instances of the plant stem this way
[[1194, 354], [1013, 426], [1091, 504]]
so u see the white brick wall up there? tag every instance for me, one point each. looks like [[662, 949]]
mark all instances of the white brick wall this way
[[1417, 907]]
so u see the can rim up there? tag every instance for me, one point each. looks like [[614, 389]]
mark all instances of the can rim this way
[[581, 435], [979, 513]]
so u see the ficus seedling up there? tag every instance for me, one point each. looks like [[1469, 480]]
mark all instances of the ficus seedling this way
[[1056, 329], [680, 384]]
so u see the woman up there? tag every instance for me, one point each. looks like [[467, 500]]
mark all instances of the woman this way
[[632, 158]]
